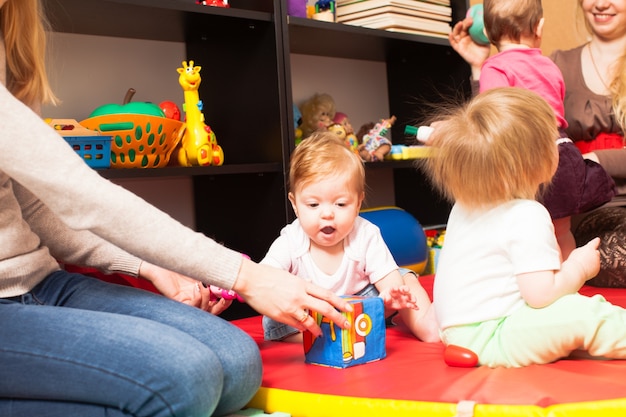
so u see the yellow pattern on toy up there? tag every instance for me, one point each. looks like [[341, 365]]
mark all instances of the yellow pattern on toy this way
[[199, 145]]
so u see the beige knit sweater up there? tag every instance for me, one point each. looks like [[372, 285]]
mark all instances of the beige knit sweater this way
[[54, 207]]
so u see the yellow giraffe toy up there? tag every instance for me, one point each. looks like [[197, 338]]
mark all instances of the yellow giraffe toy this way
[[198, 146]]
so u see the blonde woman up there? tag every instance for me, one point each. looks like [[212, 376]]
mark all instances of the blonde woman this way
[[502, 290], [71, 345], [595, 107]]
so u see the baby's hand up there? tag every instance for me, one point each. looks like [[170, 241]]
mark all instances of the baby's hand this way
[[588, 258], [398, 298]]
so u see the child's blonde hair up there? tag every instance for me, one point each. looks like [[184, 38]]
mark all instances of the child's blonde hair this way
[[323, 155], [510, 19], [497, 147], [24, 26]]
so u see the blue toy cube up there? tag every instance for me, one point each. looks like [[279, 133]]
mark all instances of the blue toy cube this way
[[363, 342]]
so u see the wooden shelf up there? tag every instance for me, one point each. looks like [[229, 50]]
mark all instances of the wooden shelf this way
[[175, 171], [312, 37], [161, 20], [243, 204]]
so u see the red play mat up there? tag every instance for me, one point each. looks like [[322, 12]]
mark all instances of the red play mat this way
[[414, 379]]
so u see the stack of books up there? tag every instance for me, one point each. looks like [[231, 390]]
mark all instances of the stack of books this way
[[422, 17]]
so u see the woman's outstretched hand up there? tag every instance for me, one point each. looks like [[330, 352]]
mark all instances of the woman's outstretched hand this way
[[182, 288], [286, 298]]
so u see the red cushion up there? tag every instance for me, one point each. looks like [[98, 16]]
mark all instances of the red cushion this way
[[414, 370]]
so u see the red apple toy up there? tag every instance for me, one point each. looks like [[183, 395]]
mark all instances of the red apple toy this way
[[170, 109]]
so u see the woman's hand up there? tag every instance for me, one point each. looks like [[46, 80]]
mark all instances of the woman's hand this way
[[182, 288], [286, 298]]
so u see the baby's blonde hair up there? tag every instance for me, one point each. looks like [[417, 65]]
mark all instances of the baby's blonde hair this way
[[510, 19], [323, 155], [497, 147], [24, 26]]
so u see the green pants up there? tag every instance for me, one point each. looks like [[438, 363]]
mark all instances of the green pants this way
[[542, 335]]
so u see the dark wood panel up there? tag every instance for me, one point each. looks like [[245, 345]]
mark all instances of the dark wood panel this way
[[143, 19]]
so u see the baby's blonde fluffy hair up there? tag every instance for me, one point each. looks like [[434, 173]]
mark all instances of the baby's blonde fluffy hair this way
[[323, 155], [24, 26], [497, 147]]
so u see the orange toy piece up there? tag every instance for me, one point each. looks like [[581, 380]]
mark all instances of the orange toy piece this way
[[199, 145]]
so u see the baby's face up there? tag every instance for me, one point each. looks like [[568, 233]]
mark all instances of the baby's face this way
[[327, 209]]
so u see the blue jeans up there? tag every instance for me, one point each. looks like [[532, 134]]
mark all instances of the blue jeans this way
[[77, 346]]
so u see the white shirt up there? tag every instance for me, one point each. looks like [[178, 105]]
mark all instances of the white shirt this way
[[366, 258], [483, 252]]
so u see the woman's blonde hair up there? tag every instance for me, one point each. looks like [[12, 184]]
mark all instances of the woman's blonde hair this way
[[617, 86], [24, 26], [617, 89], [497, 147], [323, 155]]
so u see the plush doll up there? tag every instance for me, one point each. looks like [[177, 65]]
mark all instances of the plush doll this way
[[297, 121], [338, 130], [374, 145], [351, 140], [317, 113]]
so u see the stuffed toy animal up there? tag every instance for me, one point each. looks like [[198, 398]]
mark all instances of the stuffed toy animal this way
[[317, 113]]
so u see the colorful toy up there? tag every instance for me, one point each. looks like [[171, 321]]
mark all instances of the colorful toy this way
[[374, 145], [217, 293], [317, 113], [421, 133], [128, 107], [142, 136], [297, 122], [477, 30], [199, 144], [435, 236], [170, 109], [363, 342], [351, 140], [403, 152], [459, 357], [324, 10], [338, 130], [94, 148], [216, 3]]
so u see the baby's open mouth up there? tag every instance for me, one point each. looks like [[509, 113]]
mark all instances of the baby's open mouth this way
[[328, 230]]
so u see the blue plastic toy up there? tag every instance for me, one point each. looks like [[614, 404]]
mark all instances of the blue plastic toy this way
[[403, 234], [477, 30]]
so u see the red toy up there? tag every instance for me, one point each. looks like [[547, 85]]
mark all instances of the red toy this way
[[460, 357], [170, 109], [216, 3]]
